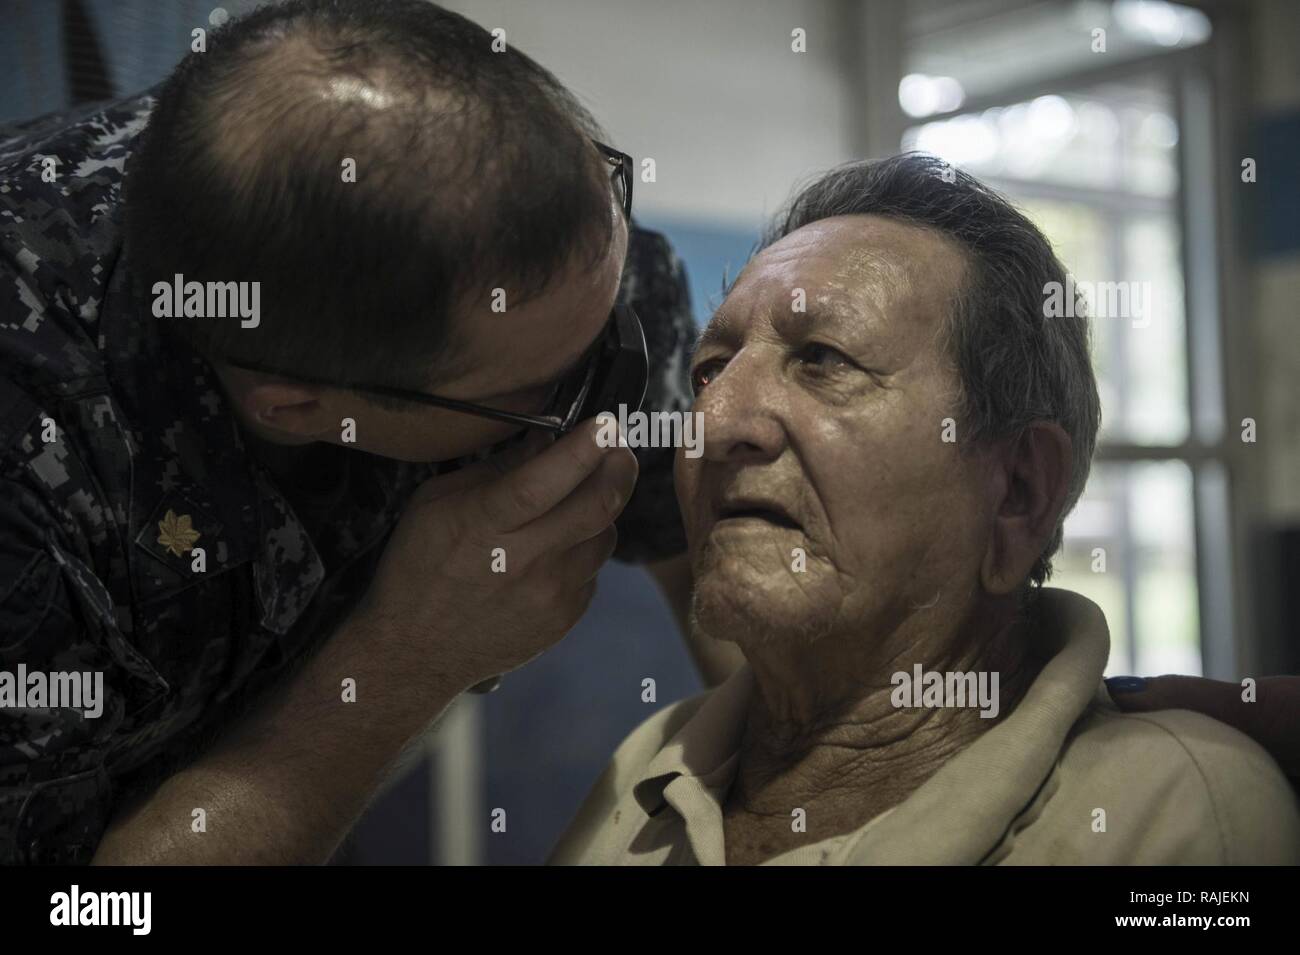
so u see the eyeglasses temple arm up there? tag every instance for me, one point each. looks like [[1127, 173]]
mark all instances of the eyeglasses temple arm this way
[[509, 417]]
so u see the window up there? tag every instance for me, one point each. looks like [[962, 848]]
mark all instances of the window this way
[[1097, 168]]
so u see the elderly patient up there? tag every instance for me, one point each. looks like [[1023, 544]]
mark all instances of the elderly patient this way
[[893, 435]]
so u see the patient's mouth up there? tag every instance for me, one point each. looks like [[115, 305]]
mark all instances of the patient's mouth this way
[[758, 513]]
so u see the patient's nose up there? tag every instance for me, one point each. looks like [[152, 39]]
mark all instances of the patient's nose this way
[[740, 409]]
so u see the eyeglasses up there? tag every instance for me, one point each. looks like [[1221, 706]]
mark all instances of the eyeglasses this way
[[621, 175], [614, 370]]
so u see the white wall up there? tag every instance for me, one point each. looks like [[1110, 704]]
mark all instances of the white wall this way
[[710, 90]]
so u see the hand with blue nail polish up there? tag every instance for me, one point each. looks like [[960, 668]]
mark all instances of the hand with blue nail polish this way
[[1270, 715]]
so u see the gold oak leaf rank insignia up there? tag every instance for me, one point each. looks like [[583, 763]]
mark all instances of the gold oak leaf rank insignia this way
[[177, 534]]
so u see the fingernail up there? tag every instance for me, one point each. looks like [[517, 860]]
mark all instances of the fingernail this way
[[1126, 684]]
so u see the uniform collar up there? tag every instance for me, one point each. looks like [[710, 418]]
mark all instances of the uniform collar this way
[[963, 810]]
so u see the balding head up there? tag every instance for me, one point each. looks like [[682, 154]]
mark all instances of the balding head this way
[[473, 171]]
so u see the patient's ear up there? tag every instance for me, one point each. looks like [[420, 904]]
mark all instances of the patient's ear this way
[[1029, 482]]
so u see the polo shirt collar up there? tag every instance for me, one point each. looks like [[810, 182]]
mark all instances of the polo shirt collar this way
[[966, 808], [705, 748], [959, 815]]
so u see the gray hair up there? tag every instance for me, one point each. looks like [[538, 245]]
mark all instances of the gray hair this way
[[1015, 365]]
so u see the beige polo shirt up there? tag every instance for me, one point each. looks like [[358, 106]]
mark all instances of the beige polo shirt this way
[[1176, 787]]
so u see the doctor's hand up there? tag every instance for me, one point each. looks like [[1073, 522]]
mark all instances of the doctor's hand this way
[[491, 565]]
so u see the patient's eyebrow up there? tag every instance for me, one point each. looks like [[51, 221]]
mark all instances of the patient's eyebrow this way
[[858, 328], [833, 311], [715, 333]]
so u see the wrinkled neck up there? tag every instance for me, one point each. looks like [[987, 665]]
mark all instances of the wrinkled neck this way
[[831, 719]]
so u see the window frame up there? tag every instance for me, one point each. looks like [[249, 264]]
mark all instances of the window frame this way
[[1220, 472]]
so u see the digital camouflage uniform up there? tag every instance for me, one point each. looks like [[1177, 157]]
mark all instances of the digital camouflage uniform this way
[[97, 525]]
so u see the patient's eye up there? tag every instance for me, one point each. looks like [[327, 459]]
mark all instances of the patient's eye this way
[[705, 372], [825, 358]]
